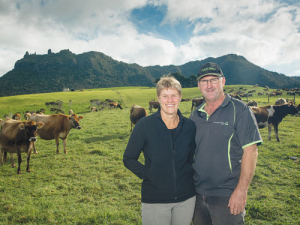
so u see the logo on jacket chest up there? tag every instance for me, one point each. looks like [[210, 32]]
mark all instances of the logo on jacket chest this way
[[222, 123]]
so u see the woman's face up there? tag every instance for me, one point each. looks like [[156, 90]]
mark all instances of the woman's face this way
[[169, 100]]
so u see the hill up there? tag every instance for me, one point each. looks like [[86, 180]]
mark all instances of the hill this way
[[53, 72], [236, 69]]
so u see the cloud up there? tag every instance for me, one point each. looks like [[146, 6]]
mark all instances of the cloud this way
[[265, 32]]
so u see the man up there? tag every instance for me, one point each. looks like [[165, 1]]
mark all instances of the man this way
[[227, 137]]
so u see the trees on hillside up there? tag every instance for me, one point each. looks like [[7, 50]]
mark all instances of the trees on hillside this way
[[185, 82]]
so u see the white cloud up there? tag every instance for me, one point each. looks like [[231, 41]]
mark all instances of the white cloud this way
[[263, 31]]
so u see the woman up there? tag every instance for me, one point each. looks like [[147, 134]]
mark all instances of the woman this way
[[167, 140]]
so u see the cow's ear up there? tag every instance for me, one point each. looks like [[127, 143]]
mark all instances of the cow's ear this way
[[39, 125], [21, 126], [80, 117]]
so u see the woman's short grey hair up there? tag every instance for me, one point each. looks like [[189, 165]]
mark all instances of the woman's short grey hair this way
[[167, 81]]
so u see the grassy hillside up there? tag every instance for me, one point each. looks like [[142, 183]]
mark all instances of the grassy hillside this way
[[90, 185], [89, 70]]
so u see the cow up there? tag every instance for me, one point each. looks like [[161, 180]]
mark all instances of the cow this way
[[56, 110], [27, 115], [252, 103], [272, 115], [280, 101], [290, 93], [16, 116], [196, 102], [94, 109], [260, 93], [18, 136], [153, 105], [136, 113], [185, 100], [115, 105], [235, 95], [56, 126], [71, 112]]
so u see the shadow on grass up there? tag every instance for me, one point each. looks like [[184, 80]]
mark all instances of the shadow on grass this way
[[97, 152], [106, 138]]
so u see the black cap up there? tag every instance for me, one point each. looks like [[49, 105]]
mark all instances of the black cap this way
[[211, 69]]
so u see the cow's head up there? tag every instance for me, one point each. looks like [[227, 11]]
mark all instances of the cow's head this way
[[293, 109], [74, 119], [30, 128]]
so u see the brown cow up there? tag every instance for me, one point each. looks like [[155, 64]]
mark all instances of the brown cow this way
[[94, 109], [252, 103], [115, 105], [235, 95], [153, 105], [16, 137], [136, 113], [272, 115], [196, 102], [27, 116], [16, 116], [56, 126]]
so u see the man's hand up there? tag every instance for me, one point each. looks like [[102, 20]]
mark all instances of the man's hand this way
[[237, 201]]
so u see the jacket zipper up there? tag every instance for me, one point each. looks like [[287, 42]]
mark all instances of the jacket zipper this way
[[174, 171]]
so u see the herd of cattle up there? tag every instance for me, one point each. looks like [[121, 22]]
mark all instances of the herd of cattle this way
[[266, 116], [18, 136]]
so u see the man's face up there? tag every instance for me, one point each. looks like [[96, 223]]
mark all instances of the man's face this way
[[212, 92]]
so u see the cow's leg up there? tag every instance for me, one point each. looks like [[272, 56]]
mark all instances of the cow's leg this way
[[4, 156], [12, 160], [57, 145], [65, 145], [1, 156], [28, 157], [19, 160], [34, 149], [269, 129], [276, 131]]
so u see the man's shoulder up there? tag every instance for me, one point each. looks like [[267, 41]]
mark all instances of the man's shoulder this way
[[238, 103]]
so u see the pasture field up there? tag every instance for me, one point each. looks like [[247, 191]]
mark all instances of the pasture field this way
[[90, 184]]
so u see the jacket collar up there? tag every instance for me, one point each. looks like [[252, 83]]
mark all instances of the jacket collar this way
[[224, 103]]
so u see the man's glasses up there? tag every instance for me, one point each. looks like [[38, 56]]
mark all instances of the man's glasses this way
[[212, 81]]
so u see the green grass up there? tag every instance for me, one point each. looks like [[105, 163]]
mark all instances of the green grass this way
[[90, 185]]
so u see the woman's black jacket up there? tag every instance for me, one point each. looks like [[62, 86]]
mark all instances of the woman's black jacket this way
[[167, 172]]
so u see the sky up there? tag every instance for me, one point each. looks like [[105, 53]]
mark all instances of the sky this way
[[154, 32]]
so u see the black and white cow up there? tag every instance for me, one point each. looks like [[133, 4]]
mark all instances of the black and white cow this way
[[272, 115]]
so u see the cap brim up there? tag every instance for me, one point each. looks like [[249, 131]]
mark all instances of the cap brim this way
[[210, 74]]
